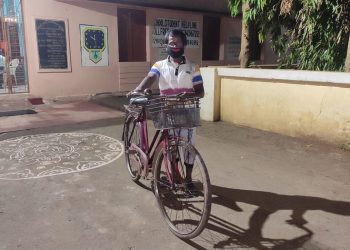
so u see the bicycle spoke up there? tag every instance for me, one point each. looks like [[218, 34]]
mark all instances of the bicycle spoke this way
[[178, 200]]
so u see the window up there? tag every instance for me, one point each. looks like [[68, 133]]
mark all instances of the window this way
[[254, 45], [211, 38], [132, 35], [13, 78]]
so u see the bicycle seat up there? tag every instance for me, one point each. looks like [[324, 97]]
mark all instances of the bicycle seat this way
[[139, 100]]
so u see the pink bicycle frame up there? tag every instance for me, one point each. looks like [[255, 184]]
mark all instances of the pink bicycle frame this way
[[145, 149]]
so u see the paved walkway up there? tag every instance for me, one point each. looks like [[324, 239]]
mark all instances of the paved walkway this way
[[67, 187], [51, 113]]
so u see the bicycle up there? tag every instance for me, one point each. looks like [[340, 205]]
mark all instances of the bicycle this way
[[180, 180]]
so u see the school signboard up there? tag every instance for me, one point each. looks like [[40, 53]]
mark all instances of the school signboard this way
[[162, 25]]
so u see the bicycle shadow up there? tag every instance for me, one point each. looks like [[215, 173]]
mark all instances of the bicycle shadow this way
[[220, 233]]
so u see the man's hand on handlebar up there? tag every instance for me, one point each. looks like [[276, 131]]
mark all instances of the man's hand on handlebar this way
[[136, 93], [133, 93]]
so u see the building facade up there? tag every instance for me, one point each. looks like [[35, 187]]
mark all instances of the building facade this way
[[67, 48]]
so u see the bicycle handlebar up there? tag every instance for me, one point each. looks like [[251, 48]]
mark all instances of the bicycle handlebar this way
[[145, 93], [148, 92]]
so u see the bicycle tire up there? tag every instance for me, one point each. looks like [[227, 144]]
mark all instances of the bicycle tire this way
[[131, 135], [182, 194]]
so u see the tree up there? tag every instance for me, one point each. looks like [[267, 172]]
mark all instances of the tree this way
[[347, 61], [244, 55], [311, 34]]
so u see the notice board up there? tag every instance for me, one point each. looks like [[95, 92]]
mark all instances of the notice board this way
[[52, 45]]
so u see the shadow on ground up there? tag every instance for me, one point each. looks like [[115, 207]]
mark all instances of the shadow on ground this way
[[221, 234]]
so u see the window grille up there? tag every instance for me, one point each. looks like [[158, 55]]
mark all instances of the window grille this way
[[13, 73]]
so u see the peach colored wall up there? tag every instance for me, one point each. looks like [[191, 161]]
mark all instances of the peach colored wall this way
[[81, 80]]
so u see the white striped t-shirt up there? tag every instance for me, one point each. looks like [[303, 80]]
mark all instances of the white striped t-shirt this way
[[176, 78]]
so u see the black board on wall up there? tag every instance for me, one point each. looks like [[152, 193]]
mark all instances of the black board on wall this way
[[52, 44]]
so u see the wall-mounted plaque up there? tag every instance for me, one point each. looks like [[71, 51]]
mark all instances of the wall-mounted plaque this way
[[94, 45], [52, 45]]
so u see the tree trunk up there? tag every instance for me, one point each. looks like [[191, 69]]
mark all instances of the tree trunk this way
[[286, 7], [244, 54], [347, 61]]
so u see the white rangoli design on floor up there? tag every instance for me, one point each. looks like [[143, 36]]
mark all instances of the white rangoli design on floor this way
[[36, 156]]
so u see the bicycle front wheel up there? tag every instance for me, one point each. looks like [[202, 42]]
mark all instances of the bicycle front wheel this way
[[182, 188], [132, 137]]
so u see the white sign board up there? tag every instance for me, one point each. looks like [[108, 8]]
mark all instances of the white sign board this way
[[162, 25]]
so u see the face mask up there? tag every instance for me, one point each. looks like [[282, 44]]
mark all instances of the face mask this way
[[175, 52]]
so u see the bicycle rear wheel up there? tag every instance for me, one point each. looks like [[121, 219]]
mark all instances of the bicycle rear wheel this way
[[132, 136], [184, 204]]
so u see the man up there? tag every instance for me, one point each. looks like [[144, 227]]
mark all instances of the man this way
[[176, 75]]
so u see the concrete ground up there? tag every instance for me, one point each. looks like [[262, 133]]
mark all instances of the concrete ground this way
[[269, 191]]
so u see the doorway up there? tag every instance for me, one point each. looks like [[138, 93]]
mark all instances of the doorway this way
[[133, 63], [13, 73], [132, 35]]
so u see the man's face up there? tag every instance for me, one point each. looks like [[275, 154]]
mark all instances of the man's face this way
[[175, 47], [175, 42]]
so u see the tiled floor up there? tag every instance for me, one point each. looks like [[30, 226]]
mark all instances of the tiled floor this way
[[50, 113], [14, 102]]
